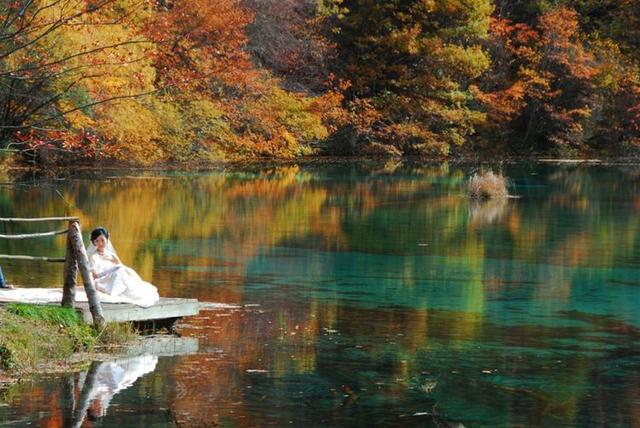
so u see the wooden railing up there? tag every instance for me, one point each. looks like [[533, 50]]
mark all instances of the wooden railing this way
[[75, 259]]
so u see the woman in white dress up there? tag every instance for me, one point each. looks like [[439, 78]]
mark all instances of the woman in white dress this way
[[112, 277]]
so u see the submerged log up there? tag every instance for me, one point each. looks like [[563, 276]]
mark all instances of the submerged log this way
[[75, 236]]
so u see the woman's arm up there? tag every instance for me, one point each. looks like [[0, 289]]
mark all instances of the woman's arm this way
[[101, 265], [92, 267]]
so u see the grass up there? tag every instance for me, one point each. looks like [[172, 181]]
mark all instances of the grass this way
[[487, 185], [115, 334], [34, 335], [52, 314]]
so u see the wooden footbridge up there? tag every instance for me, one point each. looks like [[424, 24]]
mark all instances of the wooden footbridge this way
[[76, 261]]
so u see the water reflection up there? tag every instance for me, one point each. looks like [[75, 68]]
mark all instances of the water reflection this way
[[384, 295], [129, 390], [487, 212], [105, 379]]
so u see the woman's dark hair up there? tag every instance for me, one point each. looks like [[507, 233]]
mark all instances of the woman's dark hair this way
[[99, 231]]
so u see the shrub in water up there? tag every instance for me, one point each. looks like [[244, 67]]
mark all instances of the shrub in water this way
[[487, 185]]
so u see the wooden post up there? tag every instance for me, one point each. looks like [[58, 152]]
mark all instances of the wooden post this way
[[75, 236], [70, 273]]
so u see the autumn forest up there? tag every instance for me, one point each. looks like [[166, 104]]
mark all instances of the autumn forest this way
[[191, 82]]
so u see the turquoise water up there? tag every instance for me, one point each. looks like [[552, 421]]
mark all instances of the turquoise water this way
[[366, 294]]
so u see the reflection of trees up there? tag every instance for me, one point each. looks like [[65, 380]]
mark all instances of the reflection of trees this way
[[396, 236], [187, 230], [243, 344], [575, 205], [239, 213]]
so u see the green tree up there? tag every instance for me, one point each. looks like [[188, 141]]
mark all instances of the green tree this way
[[410, 64]]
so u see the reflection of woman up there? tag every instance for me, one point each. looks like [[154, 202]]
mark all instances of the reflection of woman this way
[[103, 381], [112, 377], [114, 278]]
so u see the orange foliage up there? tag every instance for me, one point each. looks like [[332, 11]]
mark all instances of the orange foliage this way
[[562, 45], [200, 40], [207, 79], [543, 81]]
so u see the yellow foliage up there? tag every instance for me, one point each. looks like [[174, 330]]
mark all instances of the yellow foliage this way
[[106, 86], [134, 129], [280, 123]]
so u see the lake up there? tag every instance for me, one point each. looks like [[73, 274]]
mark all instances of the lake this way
[[366, 294]]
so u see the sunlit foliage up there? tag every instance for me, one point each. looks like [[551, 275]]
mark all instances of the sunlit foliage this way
[[410, 63], [189, 82], [144, 82]]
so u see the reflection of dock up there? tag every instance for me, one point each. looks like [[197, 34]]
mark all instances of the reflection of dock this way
[[165, 309], [164, 346]]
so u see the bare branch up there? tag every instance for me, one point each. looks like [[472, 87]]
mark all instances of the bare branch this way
[[54, 26]]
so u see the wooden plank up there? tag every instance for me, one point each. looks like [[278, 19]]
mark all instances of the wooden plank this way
[[34, 235], [165, 308], [33, 258], [17, 220]]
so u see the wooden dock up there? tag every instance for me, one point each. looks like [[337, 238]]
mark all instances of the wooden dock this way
[[165, 308], [76, 262]]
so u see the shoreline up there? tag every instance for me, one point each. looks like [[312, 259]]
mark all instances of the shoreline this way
[[109, 165], [38, 339], [159, 344]]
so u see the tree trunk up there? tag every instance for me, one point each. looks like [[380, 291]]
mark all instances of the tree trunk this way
[[70, 273], [75, 236]]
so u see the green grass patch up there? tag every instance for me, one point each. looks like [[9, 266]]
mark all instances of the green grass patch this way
[[33, 335], [66, 317], [25, 343], [67, 320]]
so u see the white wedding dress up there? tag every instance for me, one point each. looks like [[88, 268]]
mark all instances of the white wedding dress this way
[[118, 280]]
